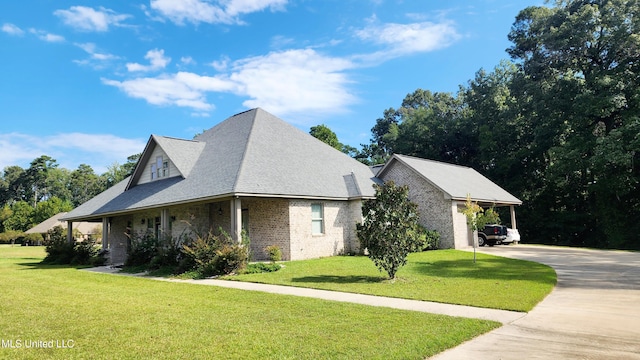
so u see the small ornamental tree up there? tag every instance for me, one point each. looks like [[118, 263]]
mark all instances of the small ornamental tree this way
[[477, 218], [390, 230]]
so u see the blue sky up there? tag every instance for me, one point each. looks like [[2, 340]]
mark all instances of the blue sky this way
[[90, 81]]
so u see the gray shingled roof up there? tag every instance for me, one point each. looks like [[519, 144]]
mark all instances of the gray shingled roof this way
[[250, 154], [456, 181], [50, 223]]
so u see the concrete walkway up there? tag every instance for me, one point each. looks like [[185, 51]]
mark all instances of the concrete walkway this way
[[593, 313], [502, 316]]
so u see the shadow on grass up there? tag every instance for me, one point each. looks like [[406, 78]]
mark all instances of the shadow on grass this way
[[488, 269], [336, 279], [44, 266]]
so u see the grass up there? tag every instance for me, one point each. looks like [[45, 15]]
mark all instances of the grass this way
[[122, 317], [447, 276]]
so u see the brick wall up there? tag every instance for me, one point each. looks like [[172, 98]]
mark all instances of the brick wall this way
[[435, 211], [268, 225], [339, 228]]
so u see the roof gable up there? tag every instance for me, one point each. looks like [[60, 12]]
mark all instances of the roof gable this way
[[455, 181], [182, 154]]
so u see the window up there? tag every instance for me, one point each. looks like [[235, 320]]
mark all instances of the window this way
[[159, 169], [317, 219]]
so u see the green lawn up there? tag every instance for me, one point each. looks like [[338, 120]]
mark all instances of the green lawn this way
[[121, 317], [447, 276]]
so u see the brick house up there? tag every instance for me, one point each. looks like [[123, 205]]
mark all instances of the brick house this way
[[440, 191], [251, 172]]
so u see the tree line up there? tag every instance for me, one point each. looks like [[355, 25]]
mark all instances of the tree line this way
[[32, 195], [558, 125]]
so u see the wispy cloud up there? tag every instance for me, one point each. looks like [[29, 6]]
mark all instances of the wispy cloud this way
[[288, 82], [89, 19], [45, 36], [204, 11], [69, 149], [404, 39], [97, 59], [157, 61], [12, 29]]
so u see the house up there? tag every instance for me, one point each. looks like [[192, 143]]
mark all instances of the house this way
[[82, 229], [252, 171], [440, 190], [257, 173]]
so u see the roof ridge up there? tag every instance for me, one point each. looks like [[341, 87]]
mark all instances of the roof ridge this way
[[246, 147], [433, 161], [176, 138]]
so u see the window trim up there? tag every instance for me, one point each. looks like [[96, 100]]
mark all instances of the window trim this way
[[317, 219]]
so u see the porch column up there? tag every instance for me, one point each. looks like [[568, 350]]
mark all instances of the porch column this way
[[164, 222], [70, 232], [105, 233], [236, 219], [512, 210]]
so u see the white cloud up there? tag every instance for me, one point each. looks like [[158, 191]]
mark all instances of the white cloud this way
[[294, 81], [97, 59], [88, 19], [157, 61], [45, 36], [181, 89], [187, 60], [405, 39], [222, 64], [69, 149], [12, 29], [203, 11]]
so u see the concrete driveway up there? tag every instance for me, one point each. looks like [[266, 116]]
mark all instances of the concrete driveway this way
[[593, 313]]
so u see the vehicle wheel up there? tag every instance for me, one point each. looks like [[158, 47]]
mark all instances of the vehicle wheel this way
[[481, 241], [491, 244]]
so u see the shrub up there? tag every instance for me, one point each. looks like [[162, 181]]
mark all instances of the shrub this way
[[216, 254], [143, 248], [229, 259], [246, 242], [62, 252], [425, 239], [274, 252], [59, 250], [84, 252], [257, 268], [431, 240], [101, 258], [168, 253]]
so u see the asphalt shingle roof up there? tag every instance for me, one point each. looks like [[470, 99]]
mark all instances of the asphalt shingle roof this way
[[50, 223], [252, 153], [456, 181]]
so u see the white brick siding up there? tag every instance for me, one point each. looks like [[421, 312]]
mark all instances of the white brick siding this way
[[436, 212]]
